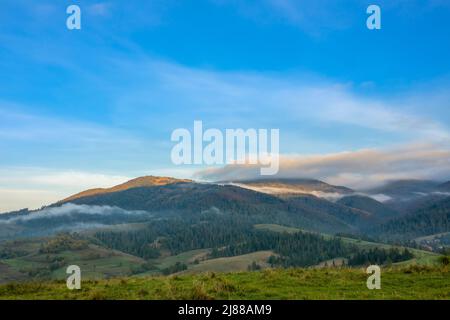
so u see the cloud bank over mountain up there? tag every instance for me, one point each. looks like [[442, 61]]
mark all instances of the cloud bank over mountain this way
[[358, 169]]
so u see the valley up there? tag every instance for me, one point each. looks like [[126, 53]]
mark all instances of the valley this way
[[163, 227]]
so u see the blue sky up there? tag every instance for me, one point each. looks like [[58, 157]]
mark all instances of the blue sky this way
[[95, 106]]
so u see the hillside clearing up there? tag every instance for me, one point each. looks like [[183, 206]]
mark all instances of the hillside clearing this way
[[230, 264]]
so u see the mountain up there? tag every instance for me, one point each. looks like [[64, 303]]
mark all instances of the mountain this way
[[292, 187], [406, 189], [370, 205], [147, 198], [429, 220], [406, 196], [147, 181], [22, 212], [302, 203], [353, 217], [193, 198], [165, 225]]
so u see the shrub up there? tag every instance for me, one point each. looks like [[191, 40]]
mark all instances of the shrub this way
[[445, 260]]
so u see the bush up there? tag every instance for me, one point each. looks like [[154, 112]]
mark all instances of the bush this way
[[445, 260], [254, 266], [63, 242], [177, 267]]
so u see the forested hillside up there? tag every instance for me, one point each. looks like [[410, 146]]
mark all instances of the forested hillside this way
[[429, 220]]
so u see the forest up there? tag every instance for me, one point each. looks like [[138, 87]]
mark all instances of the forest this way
[[232, 235]]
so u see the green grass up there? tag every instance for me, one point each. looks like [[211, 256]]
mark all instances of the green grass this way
[[231, 264], [336, 262], [97, 268], [9, 274], [187, 257], [413, 282]]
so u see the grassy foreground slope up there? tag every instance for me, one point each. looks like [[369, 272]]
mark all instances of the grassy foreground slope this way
[[413, 282]]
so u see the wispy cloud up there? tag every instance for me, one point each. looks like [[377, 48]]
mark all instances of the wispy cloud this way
[[143, 98], [100, 9], [15, 199], [358, 169], [70, 209], [230, 98], [313, 17], [18, 123], [33, 188], [322, 16], [70, 179], [310, 111]]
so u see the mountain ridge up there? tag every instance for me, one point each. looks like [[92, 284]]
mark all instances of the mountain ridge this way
[[143, 181], [294, 186]]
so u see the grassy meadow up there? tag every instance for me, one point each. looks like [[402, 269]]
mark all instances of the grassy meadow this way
[[412, 282]]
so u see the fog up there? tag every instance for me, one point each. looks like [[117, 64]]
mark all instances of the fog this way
[[70, 209]]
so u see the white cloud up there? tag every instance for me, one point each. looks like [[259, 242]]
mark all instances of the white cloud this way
[[36, 187], [15, 199], [17, 124], [41, 177], [380, 197], [332, 196], [358, 169], [318, 17], [295, 97], [69, 209]]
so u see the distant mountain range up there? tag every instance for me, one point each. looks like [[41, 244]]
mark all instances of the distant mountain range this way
[[165, 225], [310, 204], [410, 189], [180, 198]]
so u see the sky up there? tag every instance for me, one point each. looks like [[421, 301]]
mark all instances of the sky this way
[[97, 106]]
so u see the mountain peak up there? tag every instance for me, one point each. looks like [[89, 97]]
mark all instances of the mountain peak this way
[[145, 181]]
